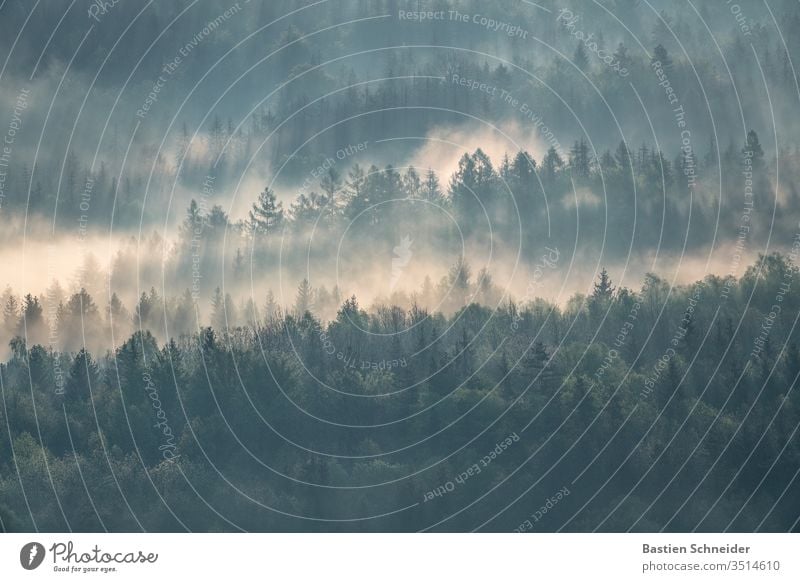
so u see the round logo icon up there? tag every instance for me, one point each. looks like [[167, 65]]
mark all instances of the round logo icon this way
[[31, 555]]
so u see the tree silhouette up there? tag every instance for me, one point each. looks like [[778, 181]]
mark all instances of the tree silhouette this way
[[266, 216]]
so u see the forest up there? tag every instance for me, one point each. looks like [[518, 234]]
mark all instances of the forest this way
[[399, 266], [393, 419]]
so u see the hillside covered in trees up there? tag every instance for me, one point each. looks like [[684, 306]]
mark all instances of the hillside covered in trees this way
[[399, 265], [634, 409]]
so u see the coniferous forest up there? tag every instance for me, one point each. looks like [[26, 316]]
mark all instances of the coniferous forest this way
[[399, 265]]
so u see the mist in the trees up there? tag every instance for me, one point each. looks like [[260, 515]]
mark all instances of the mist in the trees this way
[[399, 265]]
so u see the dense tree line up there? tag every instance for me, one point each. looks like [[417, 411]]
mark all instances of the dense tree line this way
[[624, 198], [188, 386], [557, 89], [669, 405]]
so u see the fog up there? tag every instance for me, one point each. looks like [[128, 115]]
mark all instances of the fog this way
[[286, 265], [109, 142]]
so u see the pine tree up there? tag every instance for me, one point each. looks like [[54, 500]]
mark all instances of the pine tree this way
[[305, 298], [356, 191], [660, 55], [523, 168], [463, 186], [603, 290], [192, 220], [81, 304], [621, 57], [231, 313], [10, 310], [270, 308], [535, 364], [218, 316], [623, 157], [412, 185], [579, 159], [83, 378], [266, 216], [238, 265], [31, 311], [217, 219], [331, 183], [32, 325], [551, 164], [217, 136], [458, 280], [431, 191]]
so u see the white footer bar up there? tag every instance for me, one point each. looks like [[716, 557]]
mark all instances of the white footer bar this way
[[400, 557]]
